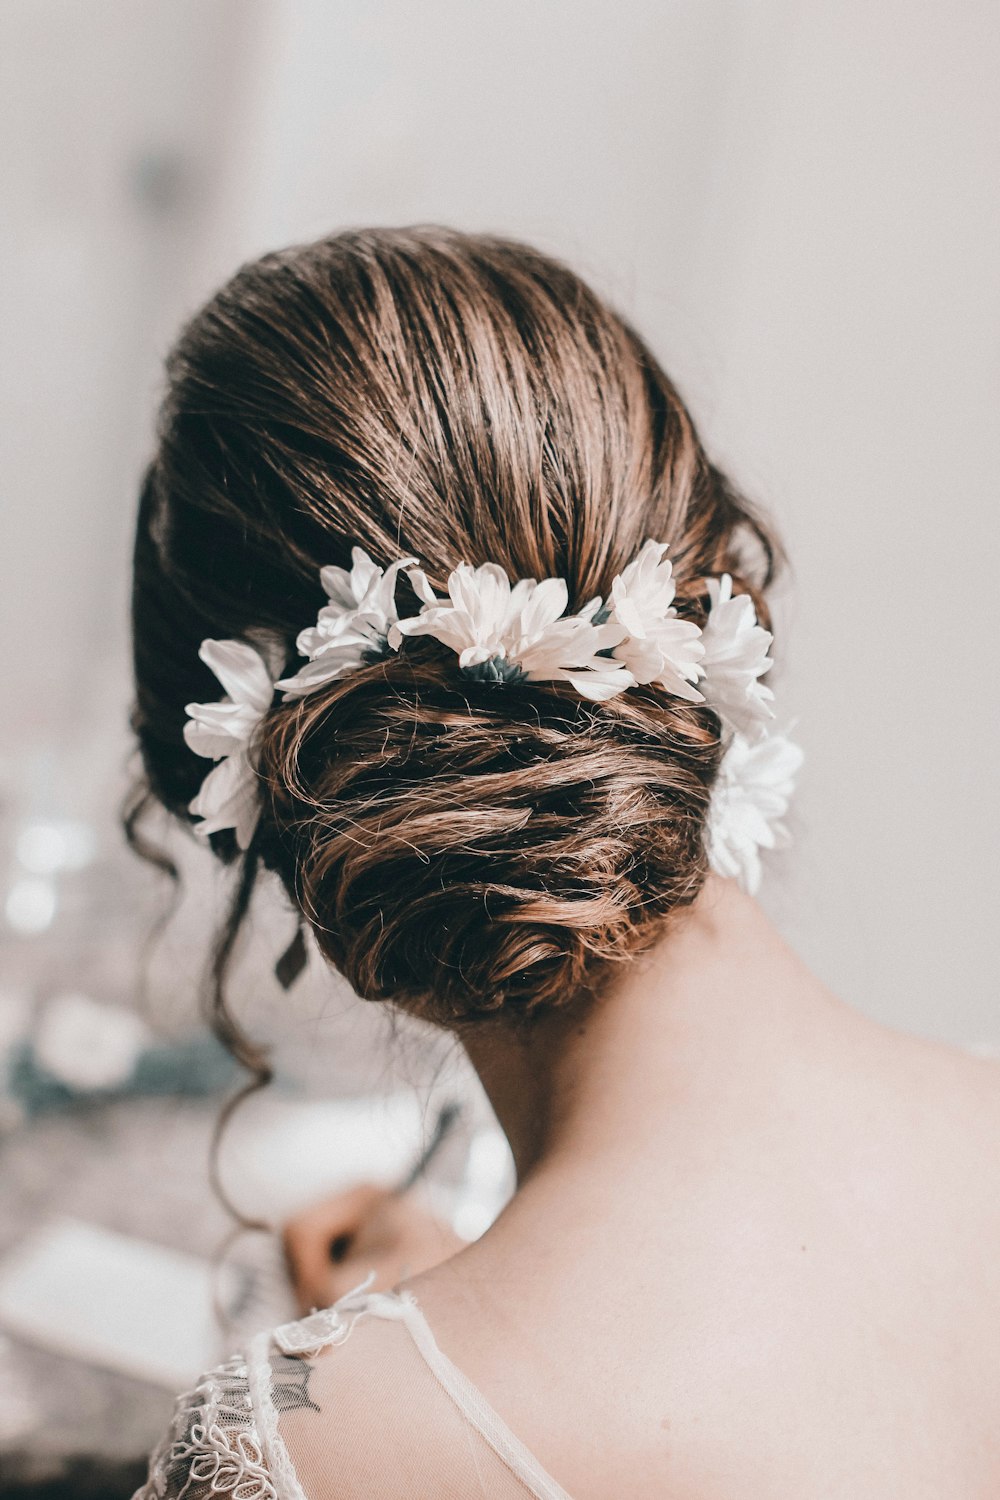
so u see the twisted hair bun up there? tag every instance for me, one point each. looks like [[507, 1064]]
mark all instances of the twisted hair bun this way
[[466, 849], [471, 847]]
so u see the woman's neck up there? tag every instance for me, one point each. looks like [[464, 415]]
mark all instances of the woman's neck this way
[[716, 1015]]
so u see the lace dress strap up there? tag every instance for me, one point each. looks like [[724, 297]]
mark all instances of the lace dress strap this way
[[213, 1444], [354, 1402], [370, 1408]]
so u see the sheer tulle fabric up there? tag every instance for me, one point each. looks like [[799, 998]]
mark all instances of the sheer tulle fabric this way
[[353, 1403]]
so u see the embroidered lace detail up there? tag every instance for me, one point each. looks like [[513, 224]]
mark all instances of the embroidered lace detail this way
[[212, 1446], [329, 1325], [244, 1429]]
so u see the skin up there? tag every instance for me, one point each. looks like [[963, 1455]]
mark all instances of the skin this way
[[755, 1246]]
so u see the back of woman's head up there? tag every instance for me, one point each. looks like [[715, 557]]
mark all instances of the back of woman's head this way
[[464, 848]]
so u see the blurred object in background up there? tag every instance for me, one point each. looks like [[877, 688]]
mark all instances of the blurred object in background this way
[[116, 1302], [28, 1476]]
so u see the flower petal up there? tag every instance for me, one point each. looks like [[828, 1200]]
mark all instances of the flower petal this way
[[473, 656], [337, 587], [481, 593], [380, 596], [600, 685], [452, 627], [228, 798], [329, 666], [627, 610], [364, 572], [543, 606], [241, 670], [421, 587], [206, 740], [672, 682], [751, 794], [736, 657]]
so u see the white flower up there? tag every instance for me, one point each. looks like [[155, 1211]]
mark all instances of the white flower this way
[[223, 731], [659, 647], [751, 794], [735, 658], [509, 633], [353, 627], [86, 1045]]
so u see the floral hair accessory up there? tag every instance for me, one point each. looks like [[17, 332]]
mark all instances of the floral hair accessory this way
[[750, 797], [507, 633], [223, 732], [504, 634], [658, 647], [736, 657], [352, 628]]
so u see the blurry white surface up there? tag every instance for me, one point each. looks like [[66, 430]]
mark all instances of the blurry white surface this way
[[45, 848], [279, 1156], [31, 905], [111, 1300], [489, 1181], [87, 1045]]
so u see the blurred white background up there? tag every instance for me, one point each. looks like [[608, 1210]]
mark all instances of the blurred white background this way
[[796, 202]]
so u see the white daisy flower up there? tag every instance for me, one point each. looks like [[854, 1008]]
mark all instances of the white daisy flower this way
[[735, 659], [751, 794], [659, 647], [222, 732], [353, 627], [509, 633]]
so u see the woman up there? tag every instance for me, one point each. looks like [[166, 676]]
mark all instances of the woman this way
[[753, 1249]]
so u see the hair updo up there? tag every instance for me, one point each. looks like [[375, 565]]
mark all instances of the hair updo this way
[[462, 848]]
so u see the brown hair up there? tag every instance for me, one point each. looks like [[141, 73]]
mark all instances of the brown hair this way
[[464, 848]]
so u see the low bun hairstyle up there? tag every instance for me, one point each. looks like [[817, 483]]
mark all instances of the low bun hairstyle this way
[[464, 849]]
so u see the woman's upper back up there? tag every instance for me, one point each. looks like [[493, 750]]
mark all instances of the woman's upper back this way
[[830, 1335], [811, 1310]]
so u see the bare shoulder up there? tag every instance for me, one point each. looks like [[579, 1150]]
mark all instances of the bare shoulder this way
[[965, 1082], [947, 1101]]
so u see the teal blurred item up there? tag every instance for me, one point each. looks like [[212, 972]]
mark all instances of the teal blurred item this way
[[194, 1067]]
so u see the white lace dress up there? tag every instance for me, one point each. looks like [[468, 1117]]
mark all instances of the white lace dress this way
[[356, 1402]]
